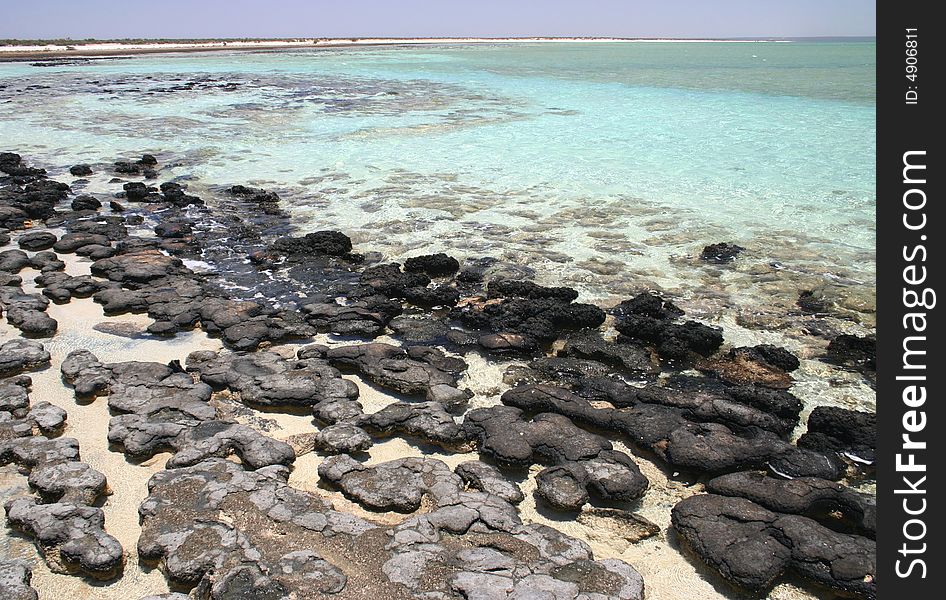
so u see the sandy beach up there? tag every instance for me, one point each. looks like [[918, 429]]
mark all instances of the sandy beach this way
[[106, 49]]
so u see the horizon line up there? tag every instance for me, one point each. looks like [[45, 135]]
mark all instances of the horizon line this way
[[445, 37]]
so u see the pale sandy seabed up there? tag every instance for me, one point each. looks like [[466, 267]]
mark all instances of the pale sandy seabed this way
[[668, 574]]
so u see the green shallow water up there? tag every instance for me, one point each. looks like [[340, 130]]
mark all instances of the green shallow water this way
[[604, 166]]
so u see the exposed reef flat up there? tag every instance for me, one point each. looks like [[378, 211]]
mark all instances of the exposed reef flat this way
[[197, 399]]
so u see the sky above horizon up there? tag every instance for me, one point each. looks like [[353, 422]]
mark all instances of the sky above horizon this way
[[436, 18]]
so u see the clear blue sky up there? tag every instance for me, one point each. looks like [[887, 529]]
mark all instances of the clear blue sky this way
[[432, 18]]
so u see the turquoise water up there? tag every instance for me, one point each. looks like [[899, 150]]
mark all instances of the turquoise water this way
[[605, 166]]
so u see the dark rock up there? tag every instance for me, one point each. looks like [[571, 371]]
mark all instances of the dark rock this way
[[825, 501], [173, 229], [561, 488], [193, 441], [86, 202], [354, 319], [752, 546], [632, 358], [15, 577], [68, 482], [80, 170], [511, 288], [721, 253], [37, 240], [397, 485], [849, 432], [542, 318], [239, 524], [504, 434], [610, 476], [854, 352], [72, 537], [434, 265], [137, 267], [342, 438], [332, 243], [18, 355], [138, 192], [428, 421], [268, 379], [417, 370]]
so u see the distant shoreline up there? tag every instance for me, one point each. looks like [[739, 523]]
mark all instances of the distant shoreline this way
[[90, 49]]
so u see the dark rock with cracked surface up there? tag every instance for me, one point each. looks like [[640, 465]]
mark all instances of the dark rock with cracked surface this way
[[651, 319], [669, 431], [414, 371], [426, 421], [610, 476], [434, 265], [193, 441], [234, 531], [849, 432], [752, 546], [825, 501], [506, 435], [632, 358]]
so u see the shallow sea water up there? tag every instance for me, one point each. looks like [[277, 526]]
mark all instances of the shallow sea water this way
[[604, 166]]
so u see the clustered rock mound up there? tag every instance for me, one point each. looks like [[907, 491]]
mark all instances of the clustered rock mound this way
[[234, 534], [60, 517], [221, 518]]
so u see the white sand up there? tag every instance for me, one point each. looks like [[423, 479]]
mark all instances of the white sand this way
[[122, 47]]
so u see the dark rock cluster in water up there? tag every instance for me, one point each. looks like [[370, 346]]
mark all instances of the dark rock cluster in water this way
[[221, 517]]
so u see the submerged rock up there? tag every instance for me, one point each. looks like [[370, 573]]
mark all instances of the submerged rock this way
[[721, 253]]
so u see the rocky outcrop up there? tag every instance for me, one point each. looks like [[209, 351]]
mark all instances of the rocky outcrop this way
[[413, 371], [582, 460], [426, 421], [67, 528], [160, 408], [848, 432], [238, 530], [828, 502], [752, 546], [652, 320], [653, 421], [484, 477], [268, 379]]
